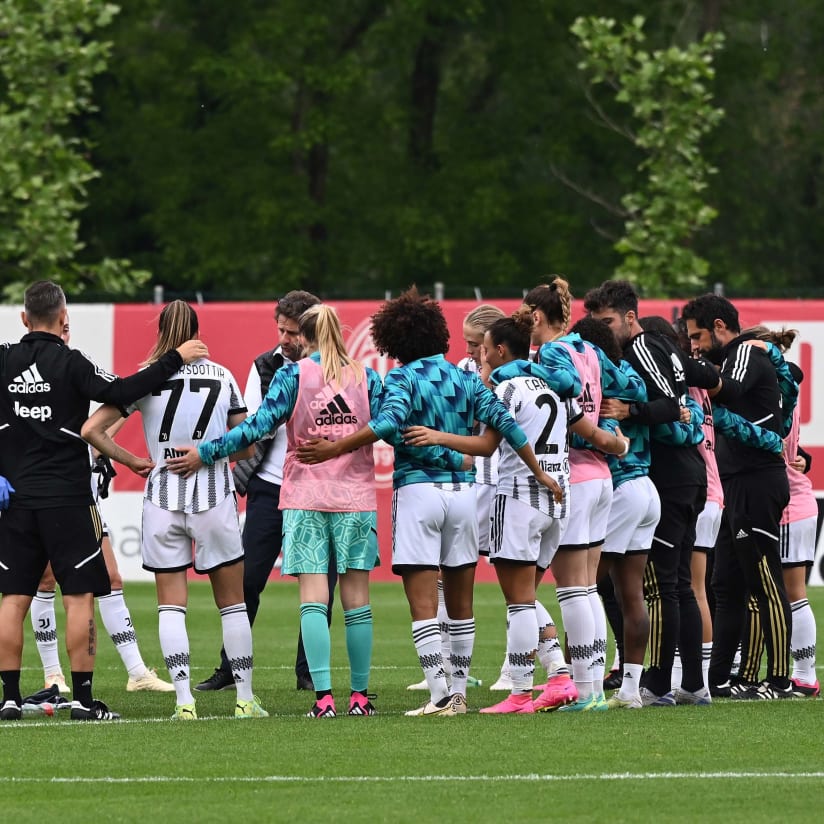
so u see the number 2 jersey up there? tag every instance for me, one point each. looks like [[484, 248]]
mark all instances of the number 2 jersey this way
[[523, 388], [193, 405]]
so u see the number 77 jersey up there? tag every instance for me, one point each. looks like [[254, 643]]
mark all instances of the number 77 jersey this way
[[192, 406]]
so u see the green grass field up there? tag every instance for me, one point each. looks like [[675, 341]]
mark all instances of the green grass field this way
[[729, 762]]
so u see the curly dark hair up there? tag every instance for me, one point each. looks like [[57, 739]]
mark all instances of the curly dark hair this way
[[597, 332], [410, 327], [615, 295], [706, 308], [293, 304]]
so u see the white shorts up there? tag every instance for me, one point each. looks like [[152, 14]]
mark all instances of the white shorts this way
[[707, 526], [168, 536], [633, 517], [589, 504], [796, 542], [523, 534], [485, 494], [434, 525]]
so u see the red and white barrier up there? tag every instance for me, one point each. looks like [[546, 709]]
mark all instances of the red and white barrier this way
[[119, 336]]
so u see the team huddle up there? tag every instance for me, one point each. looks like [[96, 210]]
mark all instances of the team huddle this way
[[656, 475]]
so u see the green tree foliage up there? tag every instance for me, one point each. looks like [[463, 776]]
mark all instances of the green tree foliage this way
[[49, 54], [667, 91], [353, 146], [348, 147], [769, 149]]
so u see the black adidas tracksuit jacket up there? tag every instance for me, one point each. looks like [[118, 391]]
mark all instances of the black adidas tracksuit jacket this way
[[663, 369], [45, 390], [750, 388]]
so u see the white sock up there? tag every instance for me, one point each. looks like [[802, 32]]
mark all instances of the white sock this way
[[443, 623], [677, 672], [802, 643], [118, 623], [44, 624], [427, 637], [576, 614], [505, 673], [237, 641], [462, 642], [706, 654], [631, 683], [550, 653], [174, 644], [505, 665], [736, 661], [599, 657], [521, 643], [616, 661]]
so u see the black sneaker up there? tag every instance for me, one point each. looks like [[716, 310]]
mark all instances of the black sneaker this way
[[741, 687], [97, 712], [614, 680], [48, 695], [218, 680], [765, 691], [731, 685], [11, 711]]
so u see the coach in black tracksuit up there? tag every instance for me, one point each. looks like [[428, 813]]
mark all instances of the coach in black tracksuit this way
[[680, 476], [756, 492], [45, 390]]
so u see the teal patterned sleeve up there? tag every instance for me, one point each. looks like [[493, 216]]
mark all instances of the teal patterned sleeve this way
[[625, 384], [732, 425], [786, 385], [274, 409], [675, 433], [563, 377]]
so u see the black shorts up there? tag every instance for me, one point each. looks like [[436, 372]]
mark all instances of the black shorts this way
[[68, 537]]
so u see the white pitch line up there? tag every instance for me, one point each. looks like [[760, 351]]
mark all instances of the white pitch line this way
[[388, 779]]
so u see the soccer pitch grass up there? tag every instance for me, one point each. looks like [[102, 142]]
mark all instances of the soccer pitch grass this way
[[728, 762]]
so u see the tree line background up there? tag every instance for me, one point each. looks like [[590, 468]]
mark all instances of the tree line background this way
[[352, 147]]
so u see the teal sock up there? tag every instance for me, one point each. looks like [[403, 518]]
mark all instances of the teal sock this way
[[316, 644], [359, 645]]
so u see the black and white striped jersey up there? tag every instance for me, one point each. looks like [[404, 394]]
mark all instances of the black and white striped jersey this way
[[193, 405], [543, 417]]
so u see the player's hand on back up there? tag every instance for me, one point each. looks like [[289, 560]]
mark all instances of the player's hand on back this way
[[799, 464], [193, 350], [186, 463], [614, 408], [421, 436], [552, 485], [316, 450]]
